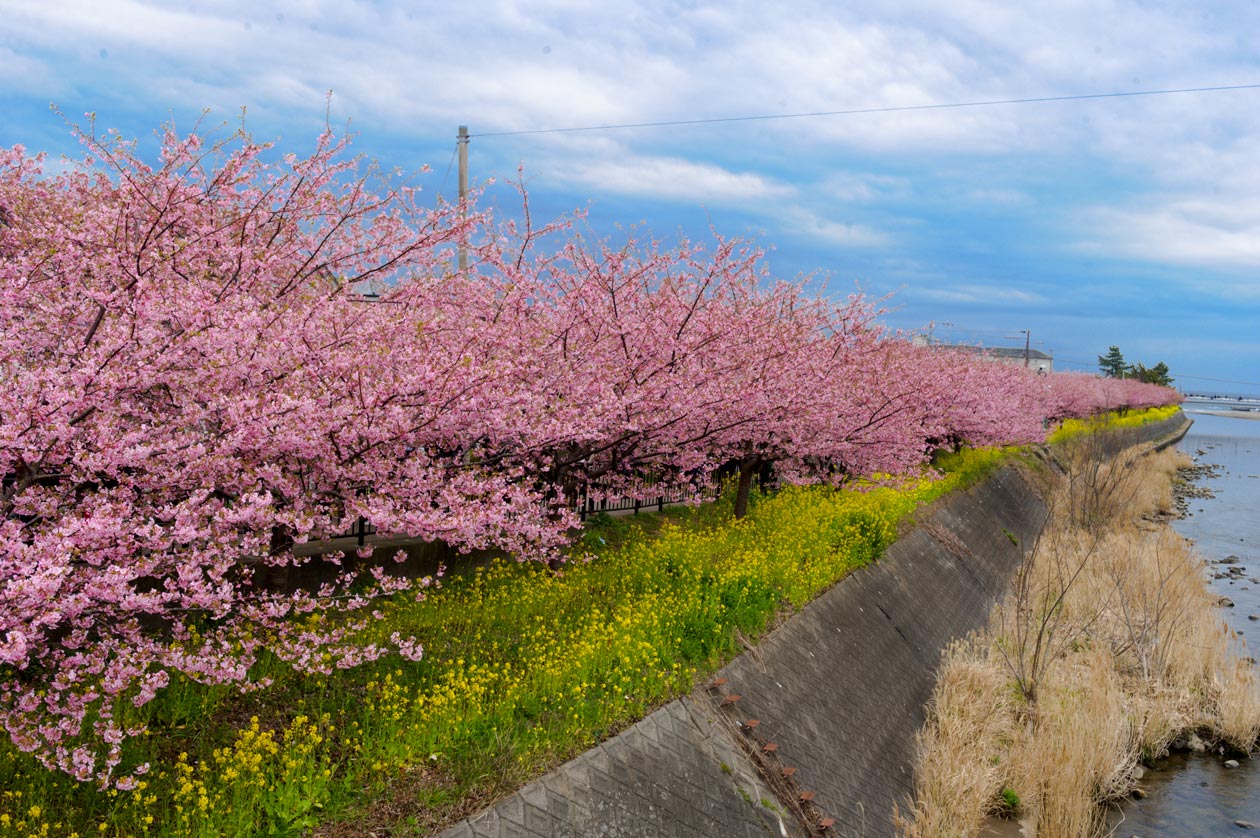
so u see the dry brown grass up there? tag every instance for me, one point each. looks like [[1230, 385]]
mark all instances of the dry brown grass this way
[[971, 713], [1108, 647], [1079, 752]]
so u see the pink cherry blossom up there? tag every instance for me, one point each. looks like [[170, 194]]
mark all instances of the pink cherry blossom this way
[[209, 360]]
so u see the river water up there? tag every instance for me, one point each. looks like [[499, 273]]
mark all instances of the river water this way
[[1195, 796]]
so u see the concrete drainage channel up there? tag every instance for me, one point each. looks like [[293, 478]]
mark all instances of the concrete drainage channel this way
[[811, 733]]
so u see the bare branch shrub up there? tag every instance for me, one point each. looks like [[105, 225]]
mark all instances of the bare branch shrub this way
[[1032, 629], [1099, 492], [1107, 647], [1102, 481], [1081, 752]]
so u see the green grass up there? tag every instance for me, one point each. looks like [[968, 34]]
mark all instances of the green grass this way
[[1114, 420], [524, 667]]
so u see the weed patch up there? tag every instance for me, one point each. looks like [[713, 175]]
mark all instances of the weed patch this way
[[1107, 648]]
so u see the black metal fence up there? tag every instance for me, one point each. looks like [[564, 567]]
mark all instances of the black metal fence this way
[[610, 501], [360, 531]]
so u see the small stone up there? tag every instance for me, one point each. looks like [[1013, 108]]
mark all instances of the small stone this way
[[1229, 560], [1140, 793], [1138, 772], [1225, 602], [1244, 824], [1253, 617], [1231, 763]]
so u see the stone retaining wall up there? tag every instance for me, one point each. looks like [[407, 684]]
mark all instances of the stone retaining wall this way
[[837, 691]]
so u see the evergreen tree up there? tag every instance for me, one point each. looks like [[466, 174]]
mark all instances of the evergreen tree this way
[[1157, 374], [1113, 364]]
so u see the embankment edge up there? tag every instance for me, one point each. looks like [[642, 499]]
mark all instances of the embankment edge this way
[[837, 692]]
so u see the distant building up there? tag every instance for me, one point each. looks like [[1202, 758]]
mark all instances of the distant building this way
[[1035, 359]]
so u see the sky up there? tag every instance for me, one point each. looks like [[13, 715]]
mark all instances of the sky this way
[[1131, 220]]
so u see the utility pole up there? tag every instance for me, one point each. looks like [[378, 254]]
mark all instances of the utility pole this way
[[1027, 341], [462, 140]]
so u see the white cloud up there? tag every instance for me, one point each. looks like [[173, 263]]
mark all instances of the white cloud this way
[[981, 294], [509, 65], [798, 221], [85, 27], [1203, 210], [513, 66], [1000, 196], [26, 72], [674, 179], [860, 187], [1186, 232]]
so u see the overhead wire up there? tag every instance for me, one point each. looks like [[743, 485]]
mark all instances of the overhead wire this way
[[1174, 373], [1075, 361], [1217, 380], [982, 103], [450, 163]]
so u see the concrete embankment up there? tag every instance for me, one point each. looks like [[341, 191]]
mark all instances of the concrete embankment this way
[[812, 731]]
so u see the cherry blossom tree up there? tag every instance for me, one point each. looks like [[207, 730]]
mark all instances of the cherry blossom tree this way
[[190, 387], [1077, 395], [212, 359]]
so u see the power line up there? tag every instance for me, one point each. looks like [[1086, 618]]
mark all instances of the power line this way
[[1071, 359], [889, 109], [454, 151], [1174, 373], [1181, 375]]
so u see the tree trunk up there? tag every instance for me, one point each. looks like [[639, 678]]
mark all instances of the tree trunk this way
[[748, 469]]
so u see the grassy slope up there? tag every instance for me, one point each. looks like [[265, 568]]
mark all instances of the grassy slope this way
[[524, 667]]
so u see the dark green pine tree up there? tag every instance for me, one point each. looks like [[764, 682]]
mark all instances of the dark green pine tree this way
[[1113, 364], [1157, 374]]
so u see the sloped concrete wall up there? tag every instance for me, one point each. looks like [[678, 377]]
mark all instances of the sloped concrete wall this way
[[837, 693], [677, 772], [841, 687]]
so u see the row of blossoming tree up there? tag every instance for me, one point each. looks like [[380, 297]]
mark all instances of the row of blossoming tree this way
[[194, 381]]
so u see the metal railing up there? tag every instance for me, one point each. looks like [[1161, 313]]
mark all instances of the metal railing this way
[[360, 531], [635, 502], [588, 505]]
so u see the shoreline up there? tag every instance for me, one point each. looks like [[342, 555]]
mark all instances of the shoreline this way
[[1195, 795], [970, 756], [1229, 414]]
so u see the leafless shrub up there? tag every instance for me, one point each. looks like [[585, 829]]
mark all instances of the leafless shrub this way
[[1100, 486], [1107, 647], [1080, 753], [1150, 583], [1032, 629]]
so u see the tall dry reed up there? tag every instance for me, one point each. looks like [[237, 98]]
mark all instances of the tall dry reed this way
[[1107, 648]]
